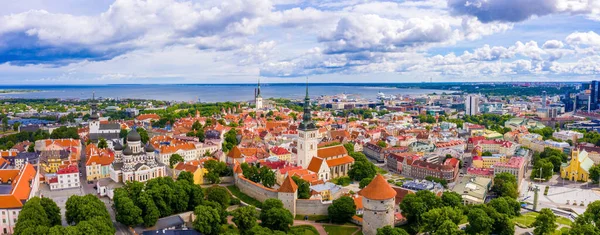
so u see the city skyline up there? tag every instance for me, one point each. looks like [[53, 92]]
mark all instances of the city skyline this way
[[229, 42]]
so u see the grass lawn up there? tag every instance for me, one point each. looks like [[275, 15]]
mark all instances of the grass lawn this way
[[464, 220], [563, 221], [525, 220], [562, 231], [243, 197], [338, 230], [342, 181], [312, 217], [381, 171], [304, 230]]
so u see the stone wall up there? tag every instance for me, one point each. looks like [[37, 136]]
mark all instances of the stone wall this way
[[311, 207], [255, 190]]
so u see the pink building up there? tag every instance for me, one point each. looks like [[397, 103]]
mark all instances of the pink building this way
[[515, 166]]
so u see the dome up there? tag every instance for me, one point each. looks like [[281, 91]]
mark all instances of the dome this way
[[94, 116], [133, 136], [117, 146], [149, 148], [128, 151]]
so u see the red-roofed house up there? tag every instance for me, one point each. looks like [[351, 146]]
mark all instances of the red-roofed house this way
[[66, 177], [18, 186], [497, 146], [281, 153]]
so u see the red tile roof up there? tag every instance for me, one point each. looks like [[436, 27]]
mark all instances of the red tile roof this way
[[378, 189], [315, 164], [288, 186], [340, 161], [332, 151]]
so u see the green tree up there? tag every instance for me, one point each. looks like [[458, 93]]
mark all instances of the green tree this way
[[144, 134], [389, 230], [196, 126], [32, 218], [102, 143], [595, 173], [358, 156], [123, 135], [486, 153], [174, 159], [52, 211], [342, 209], [245, 218], [149, 210], [505, 184], [545, 222], [479, 222], [218, 194], [543, 168], [382, 144], [452, 199], [250, 172], [207, 220], [186, 176], [31, 148], [448, 228], [303, 187], [180, 196], [361, 170], [267, 176], [127, 212], [349, 147], [506, 205], [364, 182], [196, 196], [434, 218], [277, 219]]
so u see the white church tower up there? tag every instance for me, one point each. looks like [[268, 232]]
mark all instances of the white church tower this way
[[307, 136], [258, 100], [94, 121]]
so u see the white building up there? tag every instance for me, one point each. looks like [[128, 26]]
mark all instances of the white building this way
[[568, 135], [138, 164], [65, 178], [472, 105]]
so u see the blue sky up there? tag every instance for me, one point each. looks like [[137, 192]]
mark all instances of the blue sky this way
[[238, 41]]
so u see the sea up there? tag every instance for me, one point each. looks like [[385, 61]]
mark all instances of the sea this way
[[207, 92]]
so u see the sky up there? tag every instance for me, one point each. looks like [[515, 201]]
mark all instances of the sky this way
[[285, 41]]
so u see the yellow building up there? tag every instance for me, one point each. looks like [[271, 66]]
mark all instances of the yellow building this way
[[489, 161], [281, 153], [192, 167], [579, 167]]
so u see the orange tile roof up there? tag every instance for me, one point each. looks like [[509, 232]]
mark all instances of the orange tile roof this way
[[148, 116], [186, 167], [332, 151], [102, 157], [8, 153], [315, 164], [358, 202], [288, 186], [235, 152], [65, 143], [20, 187], [340, 161], [378, 189], [169, 149], [237, 168]]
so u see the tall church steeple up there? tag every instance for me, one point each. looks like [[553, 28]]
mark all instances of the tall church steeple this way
[[307, 135], [307, 123], [258, 101], [94, 121]]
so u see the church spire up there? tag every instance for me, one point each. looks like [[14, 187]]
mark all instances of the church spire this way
[[258, 89], [307, 123]]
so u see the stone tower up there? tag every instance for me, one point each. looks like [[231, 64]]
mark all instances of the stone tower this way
[[94, 123], [257, 97], [378, 202], [288, 193], [307, 135]]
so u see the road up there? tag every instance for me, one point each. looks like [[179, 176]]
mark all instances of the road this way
[[89, 189]]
